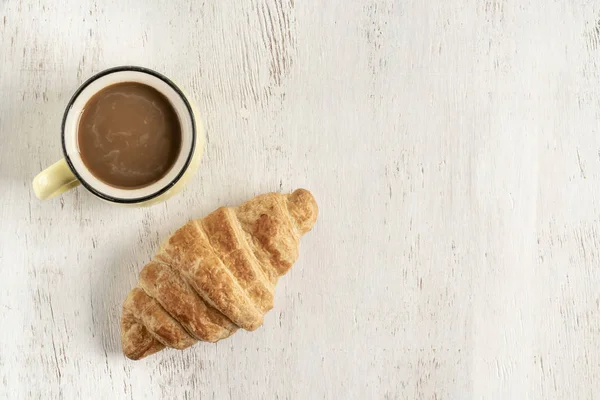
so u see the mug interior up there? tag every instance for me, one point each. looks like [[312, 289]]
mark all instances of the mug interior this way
[[71, 124]]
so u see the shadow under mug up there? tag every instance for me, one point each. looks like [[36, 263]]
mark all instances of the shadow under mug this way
[[71, 170]]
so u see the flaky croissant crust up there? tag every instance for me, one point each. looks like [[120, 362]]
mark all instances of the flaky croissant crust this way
[[216, 274]]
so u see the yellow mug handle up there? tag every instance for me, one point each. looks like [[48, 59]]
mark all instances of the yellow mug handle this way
[[54, 180]]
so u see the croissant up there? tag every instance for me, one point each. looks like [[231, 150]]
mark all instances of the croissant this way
[[216, 274]]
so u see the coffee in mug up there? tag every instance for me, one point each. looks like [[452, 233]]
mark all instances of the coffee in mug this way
[[129, 135]]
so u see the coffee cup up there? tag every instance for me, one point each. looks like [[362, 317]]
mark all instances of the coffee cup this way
[[129, 136]]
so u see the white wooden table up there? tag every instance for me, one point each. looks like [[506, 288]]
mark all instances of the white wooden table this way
[[454, 149]]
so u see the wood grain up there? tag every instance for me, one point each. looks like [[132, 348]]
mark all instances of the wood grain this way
[[454, 149]]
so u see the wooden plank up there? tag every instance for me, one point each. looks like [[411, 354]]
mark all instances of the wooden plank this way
[[453, 147]]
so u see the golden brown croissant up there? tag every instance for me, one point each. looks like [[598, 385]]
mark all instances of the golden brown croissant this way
[[216, 274]]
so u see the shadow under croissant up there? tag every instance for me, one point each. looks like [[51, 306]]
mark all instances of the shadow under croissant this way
[[112, 288], [119, 274]]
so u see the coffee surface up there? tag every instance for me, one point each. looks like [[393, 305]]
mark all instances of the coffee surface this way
[[129, 135]]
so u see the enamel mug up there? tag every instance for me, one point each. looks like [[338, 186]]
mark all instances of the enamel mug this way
[[71, 170]]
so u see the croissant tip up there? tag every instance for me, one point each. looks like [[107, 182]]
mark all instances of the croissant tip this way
[[304, 208], [154, 347], [132, 357], [136, 340]]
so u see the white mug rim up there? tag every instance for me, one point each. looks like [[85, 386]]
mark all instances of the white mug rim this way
[[172, 182]]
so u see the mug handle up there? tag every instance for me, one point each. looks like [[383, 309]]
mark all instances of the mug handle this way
[[54, 180]]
